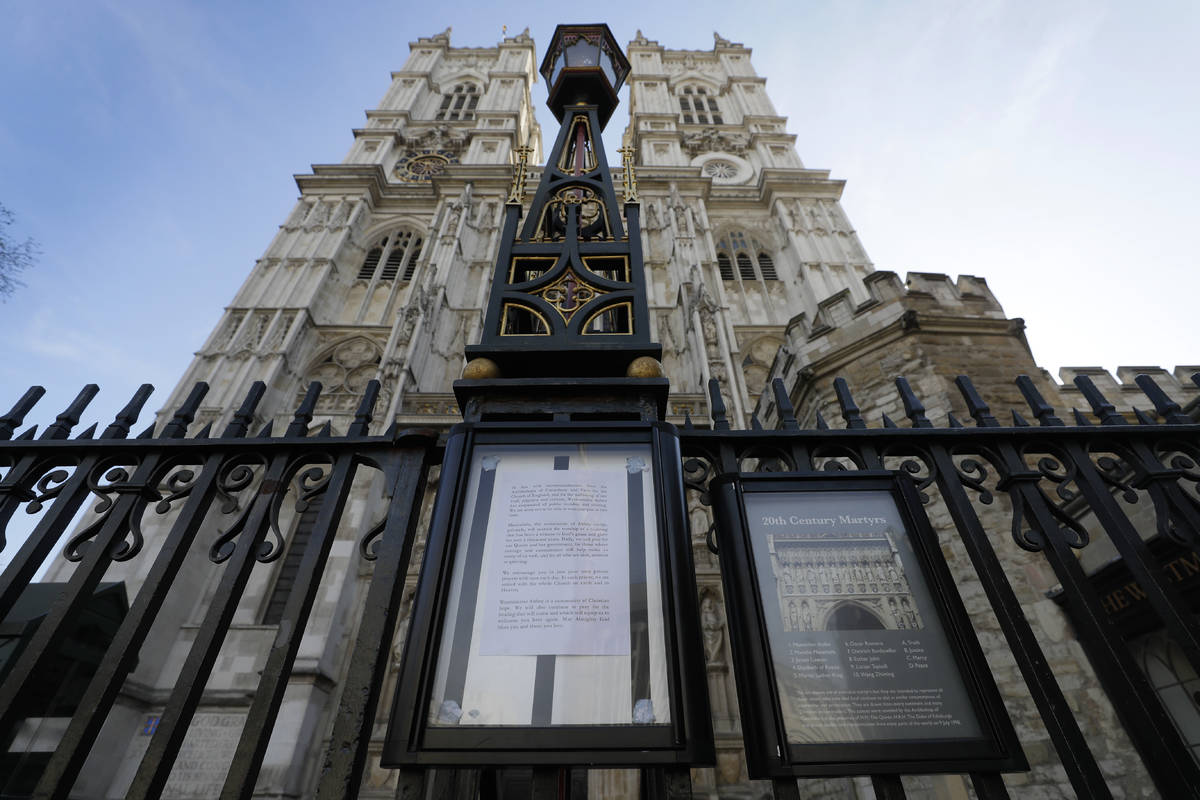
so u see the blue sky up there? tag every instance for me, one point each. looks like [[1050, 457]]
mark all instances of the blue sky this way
[[1049, 147]]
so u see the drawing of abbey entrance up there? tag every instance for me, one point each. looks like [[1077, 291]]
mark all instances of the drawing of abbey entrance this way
[[846, 582]]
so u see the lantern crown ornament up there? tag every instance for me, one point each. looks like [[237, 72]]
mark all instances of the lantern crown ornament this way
[[584, 66], [568, 297]]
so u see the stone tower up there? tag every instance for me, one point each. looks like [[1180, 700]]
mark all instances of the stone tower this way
[[739, 235]]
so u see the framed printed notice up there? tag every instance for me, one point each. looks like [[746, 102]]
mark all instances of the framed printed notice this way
[[853, 652], [556, 608]]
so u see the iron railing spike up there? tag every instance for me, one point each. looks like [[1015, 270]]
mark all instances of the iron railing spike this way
[[1105, 411], [850, 411], [887, 422], [90, 433], [754, 423], [1167, 408], [822, 425], [326, 430], [128, 415], [720, 421], [28, 434], [914, 409], [1142, 417], [1018, 420], [267, 430], [787, 413], [304, 414], [148, 433], [16, 415], [205, 432], [687, 421], [177, 427], [952, 420], [976, 407], [61, 427], [245, 414], [1042, 410], [362, 417], [1080, 419], [393, 430]]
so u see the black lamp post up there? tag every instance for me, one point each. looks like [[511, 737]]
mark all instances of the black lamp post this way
[[568, 295], [556, 620], [584, 66]]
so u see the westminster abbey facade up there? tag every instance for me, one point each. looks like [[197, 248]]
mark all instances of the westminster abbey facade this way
[[753, 272]]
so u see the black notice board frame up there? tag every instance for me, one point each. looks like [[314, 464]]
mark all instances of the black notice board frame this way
[[686, 740], [769, 754]]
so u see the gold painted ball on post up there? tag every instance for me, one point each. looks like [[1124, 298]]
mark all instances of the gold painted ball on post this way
[[481, 369], [644, 367]]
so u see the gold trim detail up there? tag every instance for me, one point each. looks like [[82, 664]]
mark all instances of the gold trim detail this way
[[566, 162], [553, 224], [569, 293], [516, 191], [628, 311], [517, 306], [622, 271], [629, 174], [549, 261]]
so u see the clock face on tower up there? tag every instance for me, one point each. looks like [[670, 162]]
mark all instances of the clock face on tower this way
[[417, 166]]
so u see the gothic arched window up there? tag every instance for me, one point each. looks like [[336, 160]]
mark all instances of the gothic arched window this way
[[398, 252], [699, 107], [460, 103], [751, 258]]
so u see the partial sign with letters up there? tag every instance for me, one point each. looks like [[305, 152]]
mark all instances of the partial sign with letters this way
[[852, 649]]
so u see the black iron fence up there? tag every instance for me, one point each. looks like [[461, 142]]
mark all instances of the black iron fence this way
[[1056, 479], [1054, 487], [243, 481]]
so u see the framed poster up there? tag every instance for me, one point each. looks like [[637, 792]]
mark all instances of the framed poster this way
[[852, 650], [555, 619]]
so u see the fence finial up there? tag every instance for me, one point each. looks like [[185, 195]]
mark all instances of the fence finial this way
[[914, 409], [70, 418], [177, 427], [1037, 404], [787, 414], [720, 421], [10, 421], [362, 417], [850, 411], [1165, 406], [245, 415], [128, 415], [1105, 411], [978, 409], [304, 413]]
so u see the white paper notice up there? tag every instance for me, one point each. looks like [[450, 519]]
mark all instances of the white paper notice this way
[[558, 564]]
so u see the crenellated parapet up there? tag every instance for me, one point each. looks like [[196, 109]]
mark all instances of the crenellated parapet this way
[[930, 327]]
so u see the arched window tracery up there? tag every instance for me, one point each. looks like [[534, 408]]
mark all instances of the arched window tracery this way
[[698, 106], [397, 252], [460, 103], [751, 258]]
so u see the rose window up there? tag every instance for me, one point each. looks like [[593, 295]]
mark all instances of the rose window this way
[[720, 169]]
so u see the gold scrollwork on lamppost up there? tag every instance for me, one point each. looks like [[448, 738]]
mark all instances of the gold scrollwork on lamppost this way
[[628, 177], [516, 192], [568, 294]]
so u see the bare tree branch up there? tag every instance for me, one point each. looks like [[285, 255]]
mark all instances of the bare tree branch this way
[[15, 257]]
